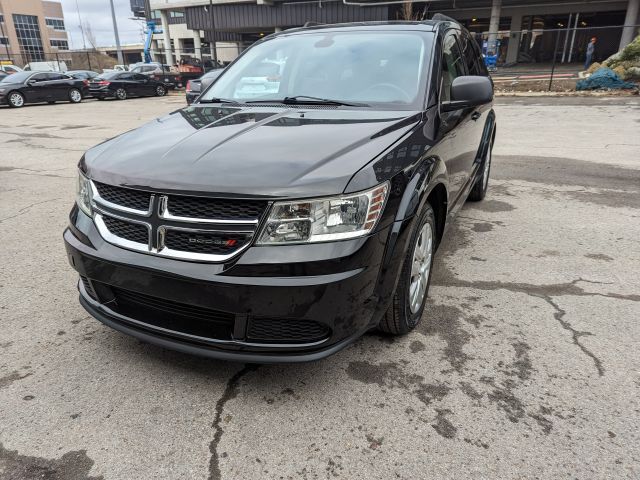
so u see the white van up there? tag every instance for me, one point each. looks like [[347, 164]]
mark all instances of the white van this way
[[46, 66]]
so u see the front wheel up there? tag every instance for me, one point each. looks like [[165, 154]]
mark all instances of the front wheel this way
[[75, 96], [16, 100], [121, 94], [409, 300], [161, 91]]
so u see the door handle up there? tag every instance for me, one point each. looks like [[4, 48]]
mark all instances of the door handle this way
[[475, 115]]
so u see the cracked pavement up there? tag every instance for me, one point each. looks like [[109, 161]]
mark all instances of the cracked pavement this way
[[526, 363]]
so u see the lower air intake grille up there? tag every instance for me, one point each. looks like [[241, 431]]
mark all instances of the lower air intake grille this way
[[282, 330], [88, 287], [133, 232], [175, 316], [213, 243]]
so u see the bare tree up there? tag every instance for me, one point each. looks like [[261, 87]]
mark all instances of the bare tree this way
[[89, 35]]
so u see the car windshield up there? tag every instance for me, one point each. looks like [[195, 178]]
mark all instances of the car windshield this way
[[16, 77], [381, 68]]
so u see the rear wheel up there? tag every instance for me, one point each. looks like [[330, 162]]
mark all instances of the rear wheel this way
[[121, 94], [75, 96], [161, 91], [409, 300], [16, 100], [479, 190]]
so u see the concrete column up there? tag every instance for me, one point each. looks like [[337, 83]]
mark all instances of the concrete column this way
[[494, 24], [197, 44], [277, 29], [631, 18], [166, 37], [514, 38]]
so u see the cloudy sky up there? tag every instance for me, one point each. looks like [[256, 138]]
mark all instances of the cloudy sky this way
[[97, 14]]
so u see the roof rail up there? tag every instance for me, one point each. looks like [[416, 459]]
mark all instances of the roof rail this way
[[443, 18], [312, 24]]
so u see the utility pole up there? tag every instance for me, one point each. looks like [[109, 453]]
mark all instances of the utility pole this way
[[214, 50], [115, 31]]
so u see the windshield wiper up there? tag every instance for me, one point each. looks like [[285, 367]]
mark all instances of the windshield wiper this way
[[308, 100], [219, 100]]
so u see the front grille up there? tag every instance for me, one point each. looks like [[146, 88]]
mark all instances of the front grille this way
[[175, 316], [124, 197], [133, 232], [283, 330], [191, 228], [213, 243], [219, 209]]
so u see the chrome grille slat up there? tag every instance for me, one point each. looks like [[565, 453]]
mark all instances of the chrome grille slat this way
[[207, 229]]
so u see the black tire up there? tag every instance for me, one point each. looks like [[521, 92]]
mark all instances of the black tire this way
[[15, 99], [479, 190], [401, 318], [75, 95], [161, 91], [121, 94]]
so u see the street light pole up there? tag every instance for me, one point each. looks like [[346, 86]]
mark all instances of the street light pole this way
[[115, 31], [214, 50]]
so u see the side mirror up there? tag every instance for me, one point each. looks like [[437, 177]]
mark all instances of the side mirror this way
[[32, 82], [469, 91]]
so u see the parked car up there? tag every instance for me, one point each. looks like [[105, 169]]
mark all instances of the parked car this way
[[199, 85], [9, 68], [121, 85], [169, 76], [280, 228], [33, 87], [83, 74], [3, 74]]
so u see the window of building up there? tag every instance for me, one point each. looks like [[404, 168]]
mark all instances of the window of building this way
[[4, 41], [55, 23], [60, 44], [155, 14], [1, 17], [29, 39], [176, 14]]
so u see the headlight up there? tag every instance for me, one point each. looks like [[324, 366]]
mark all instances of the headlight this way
[[83, 193], [324, 219]]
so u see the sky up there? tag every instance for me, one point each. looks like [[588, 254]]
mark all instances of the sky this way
[[97, 13]]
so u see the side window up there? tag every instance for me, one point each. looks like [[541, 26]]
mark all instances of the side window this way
[[139, 77], [55, 76], [469, 53], [40, 77], [125, 76], [452, 66]]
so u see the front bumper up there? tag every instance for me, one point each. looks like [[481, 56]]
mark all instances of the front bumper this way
[[316, 299]]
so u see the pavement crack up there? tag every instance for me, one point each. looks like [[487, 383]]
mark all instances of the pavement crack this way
[[575, 334], [24, 210], [230, 392]]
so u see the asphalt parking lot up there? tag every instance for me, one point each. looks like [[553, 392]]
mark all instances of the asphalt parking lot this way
[[526, 365]]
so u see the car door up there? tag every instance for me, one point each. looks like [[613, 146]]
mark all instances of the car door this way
[[453, 145], [145, 85], [36, 88], [478, 115], [125, 80], [58, 85]]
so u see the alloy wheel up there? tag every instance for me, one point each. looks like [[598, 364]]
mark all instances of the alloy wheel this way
[[420, 267], [16, 99], [160, 91], [75, 96], [121, 94]]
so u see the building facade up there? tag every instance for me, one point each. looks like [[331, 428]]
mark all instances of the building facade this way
[[521, 31], [31, 30]]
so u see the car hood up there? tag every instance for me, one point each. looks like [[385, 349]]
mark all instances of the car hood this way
[[273, 152]]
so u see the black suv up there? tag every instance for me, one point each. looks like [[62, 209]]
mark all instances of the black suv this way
[[298, 203]]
